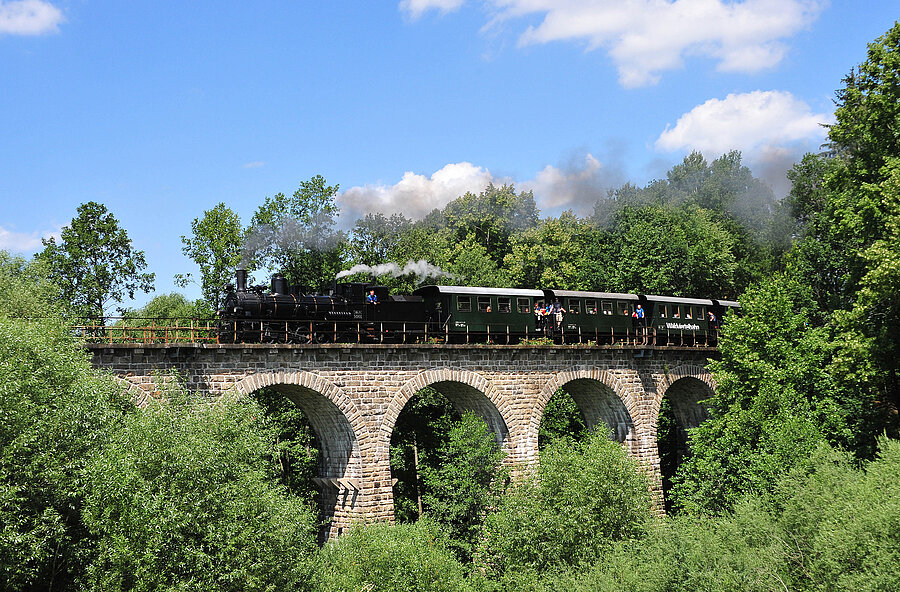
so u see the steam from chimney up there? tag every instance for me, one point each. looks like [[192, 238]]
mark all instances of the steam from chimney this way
[[421, 269]]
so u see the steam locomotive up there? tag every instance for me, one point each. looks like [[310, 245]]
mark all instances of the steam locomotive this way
[[367, 313]]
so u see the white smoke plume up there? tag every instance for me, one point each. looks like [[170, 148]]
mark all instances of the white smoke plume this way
[[421, 269]]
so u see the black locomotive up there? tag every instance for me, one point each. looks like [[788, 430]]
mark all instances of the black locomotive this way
[[367, 313]]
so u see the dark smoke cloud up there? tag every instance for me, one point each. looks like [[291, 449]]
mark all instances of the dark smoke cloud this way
[[290, 235]]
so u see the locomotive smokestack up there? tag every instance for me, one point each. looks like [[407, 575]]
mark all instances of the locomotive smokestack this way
[[279, 284], [241, 277]]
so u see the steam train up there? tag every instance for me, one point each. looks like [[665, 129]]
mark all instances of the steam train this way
[[367, 313]]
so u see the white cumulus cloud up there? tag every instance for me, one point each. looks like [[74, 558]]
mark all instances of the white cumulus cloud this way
[[22, 242], [416, 195], [772, 129], [29, 17], [750, 122], [576, 185], [417, 8], [647, 37]]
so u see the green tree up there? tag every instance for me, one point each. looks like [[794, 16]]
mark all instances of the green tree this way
[[465, 482], [421, 430], [672, 251], [295, 235], [841, 522], [26, 290], [564, 253], [473, 265], [773, 403], [561, 419], [182, 498], [401, 558], [582, 498], [216, 248], [95, 262], [296, 450], [847, 208], [54, 413], [374, 237], [491, 217]]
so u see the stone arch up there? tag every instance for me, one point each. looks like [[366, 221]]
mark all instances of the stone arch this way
[[601, 396], [336, 421], [684, 388], [139, 396], [340, 433], [466, 390], [685, 385]]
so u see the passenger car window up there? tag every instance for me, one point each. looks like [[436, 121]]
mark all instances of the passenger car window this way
[[484, 304], [607, 307], [464, 304], [663, 310], [590, 306], [503, 304], [524, 305], [575, 306]]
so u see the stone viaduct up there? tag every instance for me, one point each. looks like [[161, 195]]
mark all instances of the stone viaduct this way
[[352, 395]]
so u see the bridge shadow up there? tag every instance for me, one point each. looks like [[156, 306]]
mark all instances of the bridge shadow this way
[[577, 402], [681, 410], [602, 409], [339, 463], [421, 430]]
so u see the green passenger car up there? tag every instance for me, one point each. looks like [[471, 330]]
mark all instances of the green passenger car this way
[[602, 317], [462, 314]]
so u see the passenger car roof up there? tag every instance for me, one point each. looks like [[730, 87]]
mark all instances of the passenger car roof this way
[[600, 295], [476, 291]]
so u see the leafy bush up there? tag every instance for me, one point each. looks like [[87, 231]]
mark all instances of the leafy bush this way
[[843, 523], [773, 405], [582, 498], [183, 499], [53, 413], [466, 482], [384, 558]]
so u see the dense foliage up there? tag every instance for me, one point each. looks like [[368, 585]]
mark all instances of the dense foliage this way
[[182, 497], [95, 263], [581, 499], [790, 484]]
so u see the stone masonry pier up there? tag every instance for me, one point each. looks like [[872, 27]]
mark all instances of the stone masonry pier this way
[[352, 395]]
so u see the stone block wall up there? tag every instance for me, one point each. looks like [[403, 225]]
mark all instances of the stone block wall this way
[[353, 394]]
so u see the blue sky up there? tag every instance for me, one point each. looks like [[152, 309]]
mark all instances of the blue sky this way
[[160, 110]]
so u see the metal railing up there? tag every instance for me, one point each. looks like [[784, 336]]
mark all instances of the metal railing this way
[[118, 330], [147, 330]]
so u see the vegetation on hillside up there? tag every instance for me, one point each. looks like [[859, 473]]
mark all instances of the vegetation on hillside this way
[[789, 485]]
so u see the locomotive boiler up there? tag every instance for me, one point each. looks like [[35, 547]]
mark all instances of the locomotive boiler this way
[[280, 313]]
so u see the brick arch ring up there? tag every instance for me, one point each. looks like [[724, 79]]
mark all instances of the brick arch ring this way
[[312, 382], [429, 377], [560, 379], [138, 396], [672, 376]]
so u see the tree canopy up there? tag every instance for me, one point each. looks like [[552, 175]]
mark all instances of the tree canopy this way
[[95, 262]]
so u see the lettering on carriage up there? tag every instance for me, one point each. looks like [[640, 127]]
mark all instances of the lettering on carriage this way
[[688, 326]]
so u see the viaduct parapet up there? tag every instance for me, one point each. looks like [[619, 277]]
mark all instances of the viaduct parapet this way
[[353, 394]]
